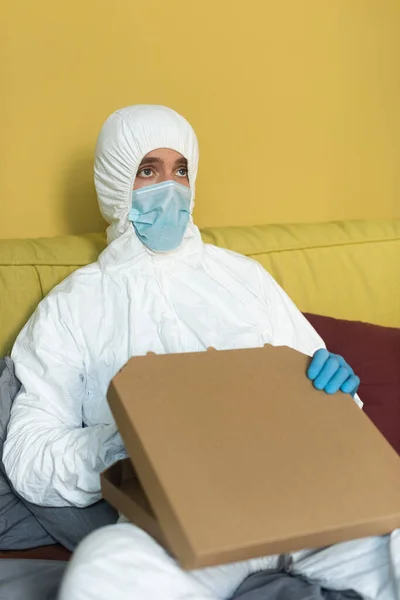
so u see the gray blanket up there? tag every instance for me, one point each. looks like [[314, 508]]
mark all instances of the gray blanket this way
[[40, 580], [24, 525], [278, 585], [26, 579]]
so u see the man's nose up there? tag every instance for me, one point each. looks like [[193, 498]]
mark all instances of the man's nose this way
[[165, 177]]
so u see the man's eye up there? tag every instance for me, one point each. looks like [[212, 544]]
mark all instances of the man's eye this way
[[145, 173], [182, 172]]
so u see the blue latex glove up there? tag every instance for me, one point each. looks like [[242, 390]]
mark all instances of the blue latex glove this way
[[331, 373]]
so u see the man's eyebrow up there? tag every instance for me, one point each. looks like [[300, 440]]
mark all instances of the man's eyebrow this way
[[181, 161], [156, 160], [152, 160]]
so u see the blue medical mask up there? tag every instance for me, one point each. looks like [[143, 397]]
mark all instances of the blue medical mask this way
[[160, 214]]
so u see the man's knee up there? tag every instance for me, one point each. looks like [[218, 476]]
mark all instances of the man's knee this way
[[114, 542], [106, 559]]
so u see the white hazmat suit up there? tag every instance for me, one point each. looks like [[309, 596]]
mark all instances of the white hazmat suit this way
[[131, 301]]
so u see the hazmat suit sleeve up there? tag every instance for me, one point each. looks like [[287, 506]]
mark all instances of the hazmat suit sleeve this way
[[289, 325], [49, 456]]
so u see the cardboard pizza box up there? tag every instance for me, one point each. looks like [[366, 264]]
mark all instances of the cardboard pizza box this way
[[235, 455]]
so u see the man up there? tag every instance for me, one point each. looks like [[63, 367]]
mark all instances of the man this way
[[156, 288]]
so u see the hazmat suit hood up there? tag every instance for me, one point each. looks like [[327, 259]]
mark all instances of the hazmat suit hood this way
[[125, 138]]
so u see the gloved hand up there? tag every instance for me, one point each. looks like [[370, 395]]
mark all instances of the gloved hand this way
[[331, 373]]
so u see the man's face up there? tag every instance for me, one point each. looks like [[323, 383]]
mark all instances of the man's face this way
[[161, 165]]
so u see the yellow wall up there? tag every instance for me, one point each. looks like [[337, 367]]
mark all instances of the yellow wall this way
[[296, 104]]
